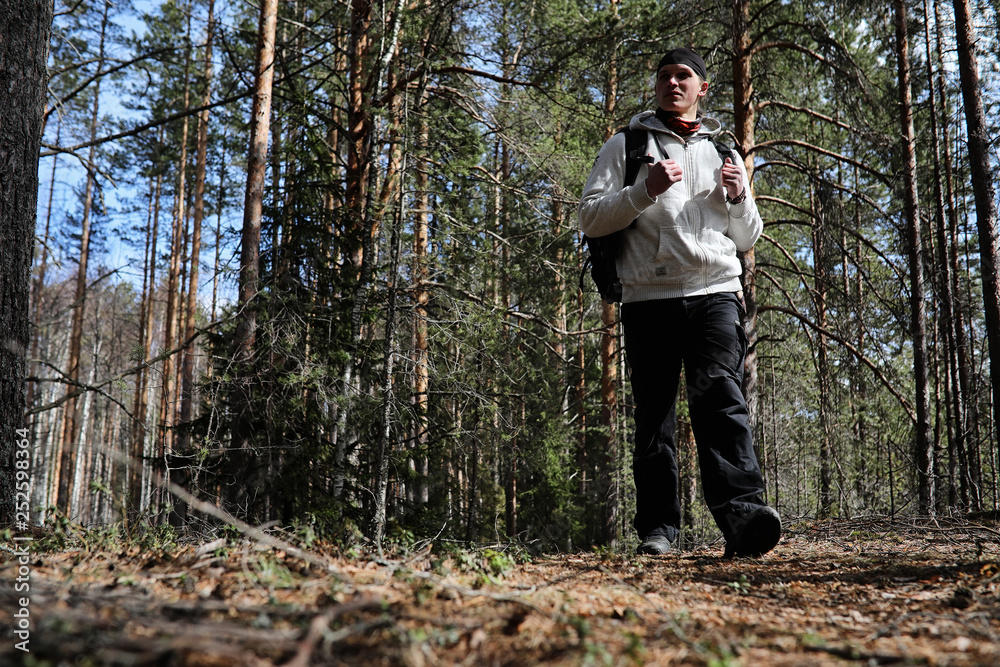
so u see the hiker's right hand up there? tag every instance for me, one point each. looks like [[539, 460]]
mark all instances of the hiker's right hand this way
[[661, 176]]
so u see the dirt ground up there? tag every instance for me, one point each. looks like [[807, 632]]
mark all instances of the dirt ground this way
[[859, 592]]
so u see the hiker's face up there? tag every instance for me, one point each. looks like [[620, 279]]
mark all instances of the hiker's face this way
[[679, 89]]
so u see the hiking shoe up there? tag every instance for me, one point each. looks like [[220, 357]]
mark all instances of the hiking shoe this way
[[758, 534], [655, 545]]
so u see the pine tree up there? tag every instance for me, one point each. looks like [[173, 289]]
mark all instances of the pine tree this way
[[23, 74]]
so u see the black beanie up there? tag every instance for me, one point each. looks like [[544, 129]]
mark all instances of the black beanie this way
[[684, 56]]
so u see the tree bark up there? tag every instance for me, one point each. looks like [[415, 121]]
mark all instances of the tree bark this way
[[67, 463], [355, 240], [743, 129], [171, 367], [140, 405], [252, 212], [608, 440], [23, 78], [358, 130], [421, 298], [968, 420], [39, 282], [923, 447], [191, 302], [386, 445], [983, 189], [949, 318], [826, 453]]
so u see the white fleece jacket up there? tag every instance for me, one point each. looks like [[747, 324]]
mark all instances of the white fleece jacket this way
[[685, 240]]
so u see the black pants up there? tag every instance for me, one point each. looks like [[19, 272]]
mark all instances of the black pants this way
[[706, 334]]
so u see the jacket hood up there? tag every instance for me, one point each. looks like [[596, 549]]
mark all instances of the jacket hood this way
[[647, 120]]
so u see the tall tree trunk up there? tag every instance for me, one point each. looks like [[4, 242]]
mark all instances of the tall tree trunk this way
[[171, 366], [369, 218], [968, 419], [354, 239], [984, 190], [608, 439], [506, 449], [949, 318], [246, 326], [80, 490], [358, 130], [687, 469], [39, 283], [201, 165], [67, 468], [743, 129], [421, 298], [386, 446], [923, 447], [826, 453], [23, 78], [146, 311], [41, 459], [191, 305], [854, 289], [220, 201], [396, 165]]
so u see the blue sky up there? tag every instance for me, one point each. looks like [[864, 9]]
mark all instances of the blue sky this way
[[118, 195]]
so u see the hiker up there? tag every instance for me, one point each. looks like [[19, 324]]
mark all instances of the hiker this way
[[682, 302]]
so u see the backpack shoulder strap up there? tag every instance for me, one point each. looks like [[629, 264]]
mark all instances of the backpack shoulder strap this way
[[723, 150], [635, 151]]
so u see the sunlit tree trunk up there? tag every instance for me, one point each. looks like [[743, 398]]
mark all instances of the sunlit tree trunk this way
[[507, 450], [608, 440], [386, 447], [80, 493], [39, 283], [191, 306], [743, 130], [70, 433], [373, 213], [246, 326], [187, 300], [358, 127], [354, 238], [421, 298], [146, 319], [171, 366]]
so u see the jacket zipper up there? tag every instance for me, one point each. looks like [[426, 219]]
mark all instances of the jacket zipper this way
[[696, 236]]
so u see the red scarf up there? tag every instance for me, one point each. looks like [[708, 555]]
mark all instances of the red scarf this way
[[678, 125]]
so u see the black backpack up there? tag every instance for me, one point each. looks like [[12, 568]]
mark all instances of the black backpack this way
[[603, 250]]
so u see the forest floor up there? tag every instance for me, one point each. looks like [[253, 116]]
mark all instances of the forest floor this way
[[858, 592]]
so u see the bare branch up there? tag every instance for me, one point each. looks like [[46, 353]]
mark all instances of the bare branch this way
[[193, 111], [124, 374], [97, 75], [809, 112], [822, 151], [886, 382]]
